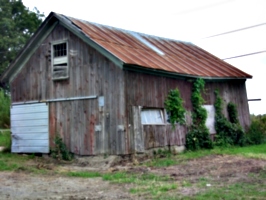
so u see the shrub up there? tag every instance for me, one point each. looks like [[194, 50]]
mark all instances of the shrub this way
[[5, 140], [256, 133], [60, 150], [4, 109]]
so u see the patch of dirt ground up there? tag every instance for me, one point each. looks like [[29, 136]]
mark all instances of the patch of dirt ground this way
[[28, 186], [220, 169]]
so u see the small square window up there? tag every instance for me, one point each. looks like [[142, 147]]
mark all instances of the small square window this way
[[152, 116], [60, 60], [60, 50]]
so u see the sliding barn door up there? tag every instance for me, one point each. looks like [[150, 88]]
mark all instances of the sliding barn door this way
[[29, 128]]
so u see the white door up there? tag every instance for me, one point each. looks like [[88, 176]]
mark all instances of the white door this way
[[30, 128]]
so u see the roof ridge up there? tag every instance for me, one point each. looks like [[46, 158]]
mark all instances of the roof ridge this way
[[129, 31]]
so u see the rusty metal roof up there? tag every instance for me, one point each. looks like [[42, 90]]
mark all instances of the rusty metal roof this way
[[133, 51], [158, 53]]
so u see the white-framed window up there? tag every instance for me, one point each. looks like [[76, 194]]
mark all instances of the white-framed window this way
[[60, 60], [152, 116]]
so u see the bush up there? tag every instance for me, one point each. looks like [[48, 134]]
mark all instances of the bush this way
[[4, 109], [257, 130], [60, 151], [5, 140]]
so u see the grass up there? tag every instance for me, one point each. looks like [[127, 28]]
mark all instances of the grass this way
[[152, 186], [146, 184], [84, 174], [11, 162], [234, 191], [255, 151], [162, 162], [207, 189]]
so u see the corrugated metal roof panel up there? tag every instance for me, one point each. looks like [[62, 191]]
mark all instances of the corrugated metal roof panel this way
[[158, 53]]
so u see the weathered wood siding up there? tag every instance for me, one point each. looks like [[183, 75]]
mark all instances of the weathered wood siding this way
[[231, 91], [150, 91], [86, 127], [163, 135]]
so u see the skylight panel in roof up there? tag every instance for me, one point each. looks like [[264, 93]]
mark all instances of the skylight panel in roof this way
[[148, 44]]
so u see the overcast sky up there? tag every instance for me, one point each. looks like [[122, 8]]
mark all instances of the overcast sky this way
[[189, 20]]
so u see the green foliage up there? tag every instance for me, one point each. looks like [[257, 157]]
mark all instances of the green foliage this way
[[227, 132], [17, 25], [232, 112], [174, 107], [84, 174], [5, 140], [4, 109], [60, 150], [198, 136], [162, 158], [162, 162], [12, 162], [241, 190], [257, 130], [145, 183]]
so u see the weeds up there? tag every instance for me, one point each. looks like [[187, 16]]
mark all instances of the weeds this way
[[4, 109], [84, 174], [5, 140], [60, 150], [149, 184]]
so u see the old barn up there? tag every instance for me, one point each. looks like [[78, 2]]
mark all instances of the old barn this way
[[103, 89]]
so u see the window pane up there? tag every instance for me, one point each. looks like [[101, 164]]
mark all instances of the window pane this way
[[151, 116], [60, 50]]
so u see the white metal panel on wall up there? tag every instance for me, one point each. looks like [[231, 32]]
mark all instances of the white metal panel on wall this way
[[30, 128], [210, 122]]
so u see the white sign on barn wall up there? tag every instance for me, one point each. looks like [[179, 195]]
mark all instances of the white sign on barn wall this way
[[30, 128], [210, 118]]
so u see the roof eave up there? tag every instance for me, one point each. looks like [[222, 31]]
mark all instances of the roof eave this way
[[137, 68], [42, 32]]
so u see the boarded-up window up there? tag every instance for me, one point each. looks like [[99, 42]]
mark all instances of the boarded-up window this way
[[60, 60], [152, 116]]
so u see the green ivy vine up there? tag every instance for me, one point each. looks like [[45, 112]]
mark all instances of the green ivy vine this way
[[198, 135], [174, 108], [228, 132]]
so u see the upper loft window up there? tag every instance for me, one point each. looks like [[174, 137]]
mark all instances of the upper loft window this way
[[60, 60]]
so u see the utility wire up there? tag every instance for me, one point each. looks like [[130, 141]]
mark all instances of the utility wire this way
[[249, 54], [241, 29]]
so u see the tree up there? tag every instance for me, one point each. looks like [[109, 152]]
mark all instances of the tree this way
[[17, 25]]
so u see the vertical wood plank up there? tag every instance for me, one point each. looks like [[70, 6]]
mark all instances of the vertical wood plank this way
[[138, 132]]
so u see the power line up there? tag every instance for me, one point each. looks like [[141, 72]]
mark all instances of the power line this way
[[241, 29], [249, 54]]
